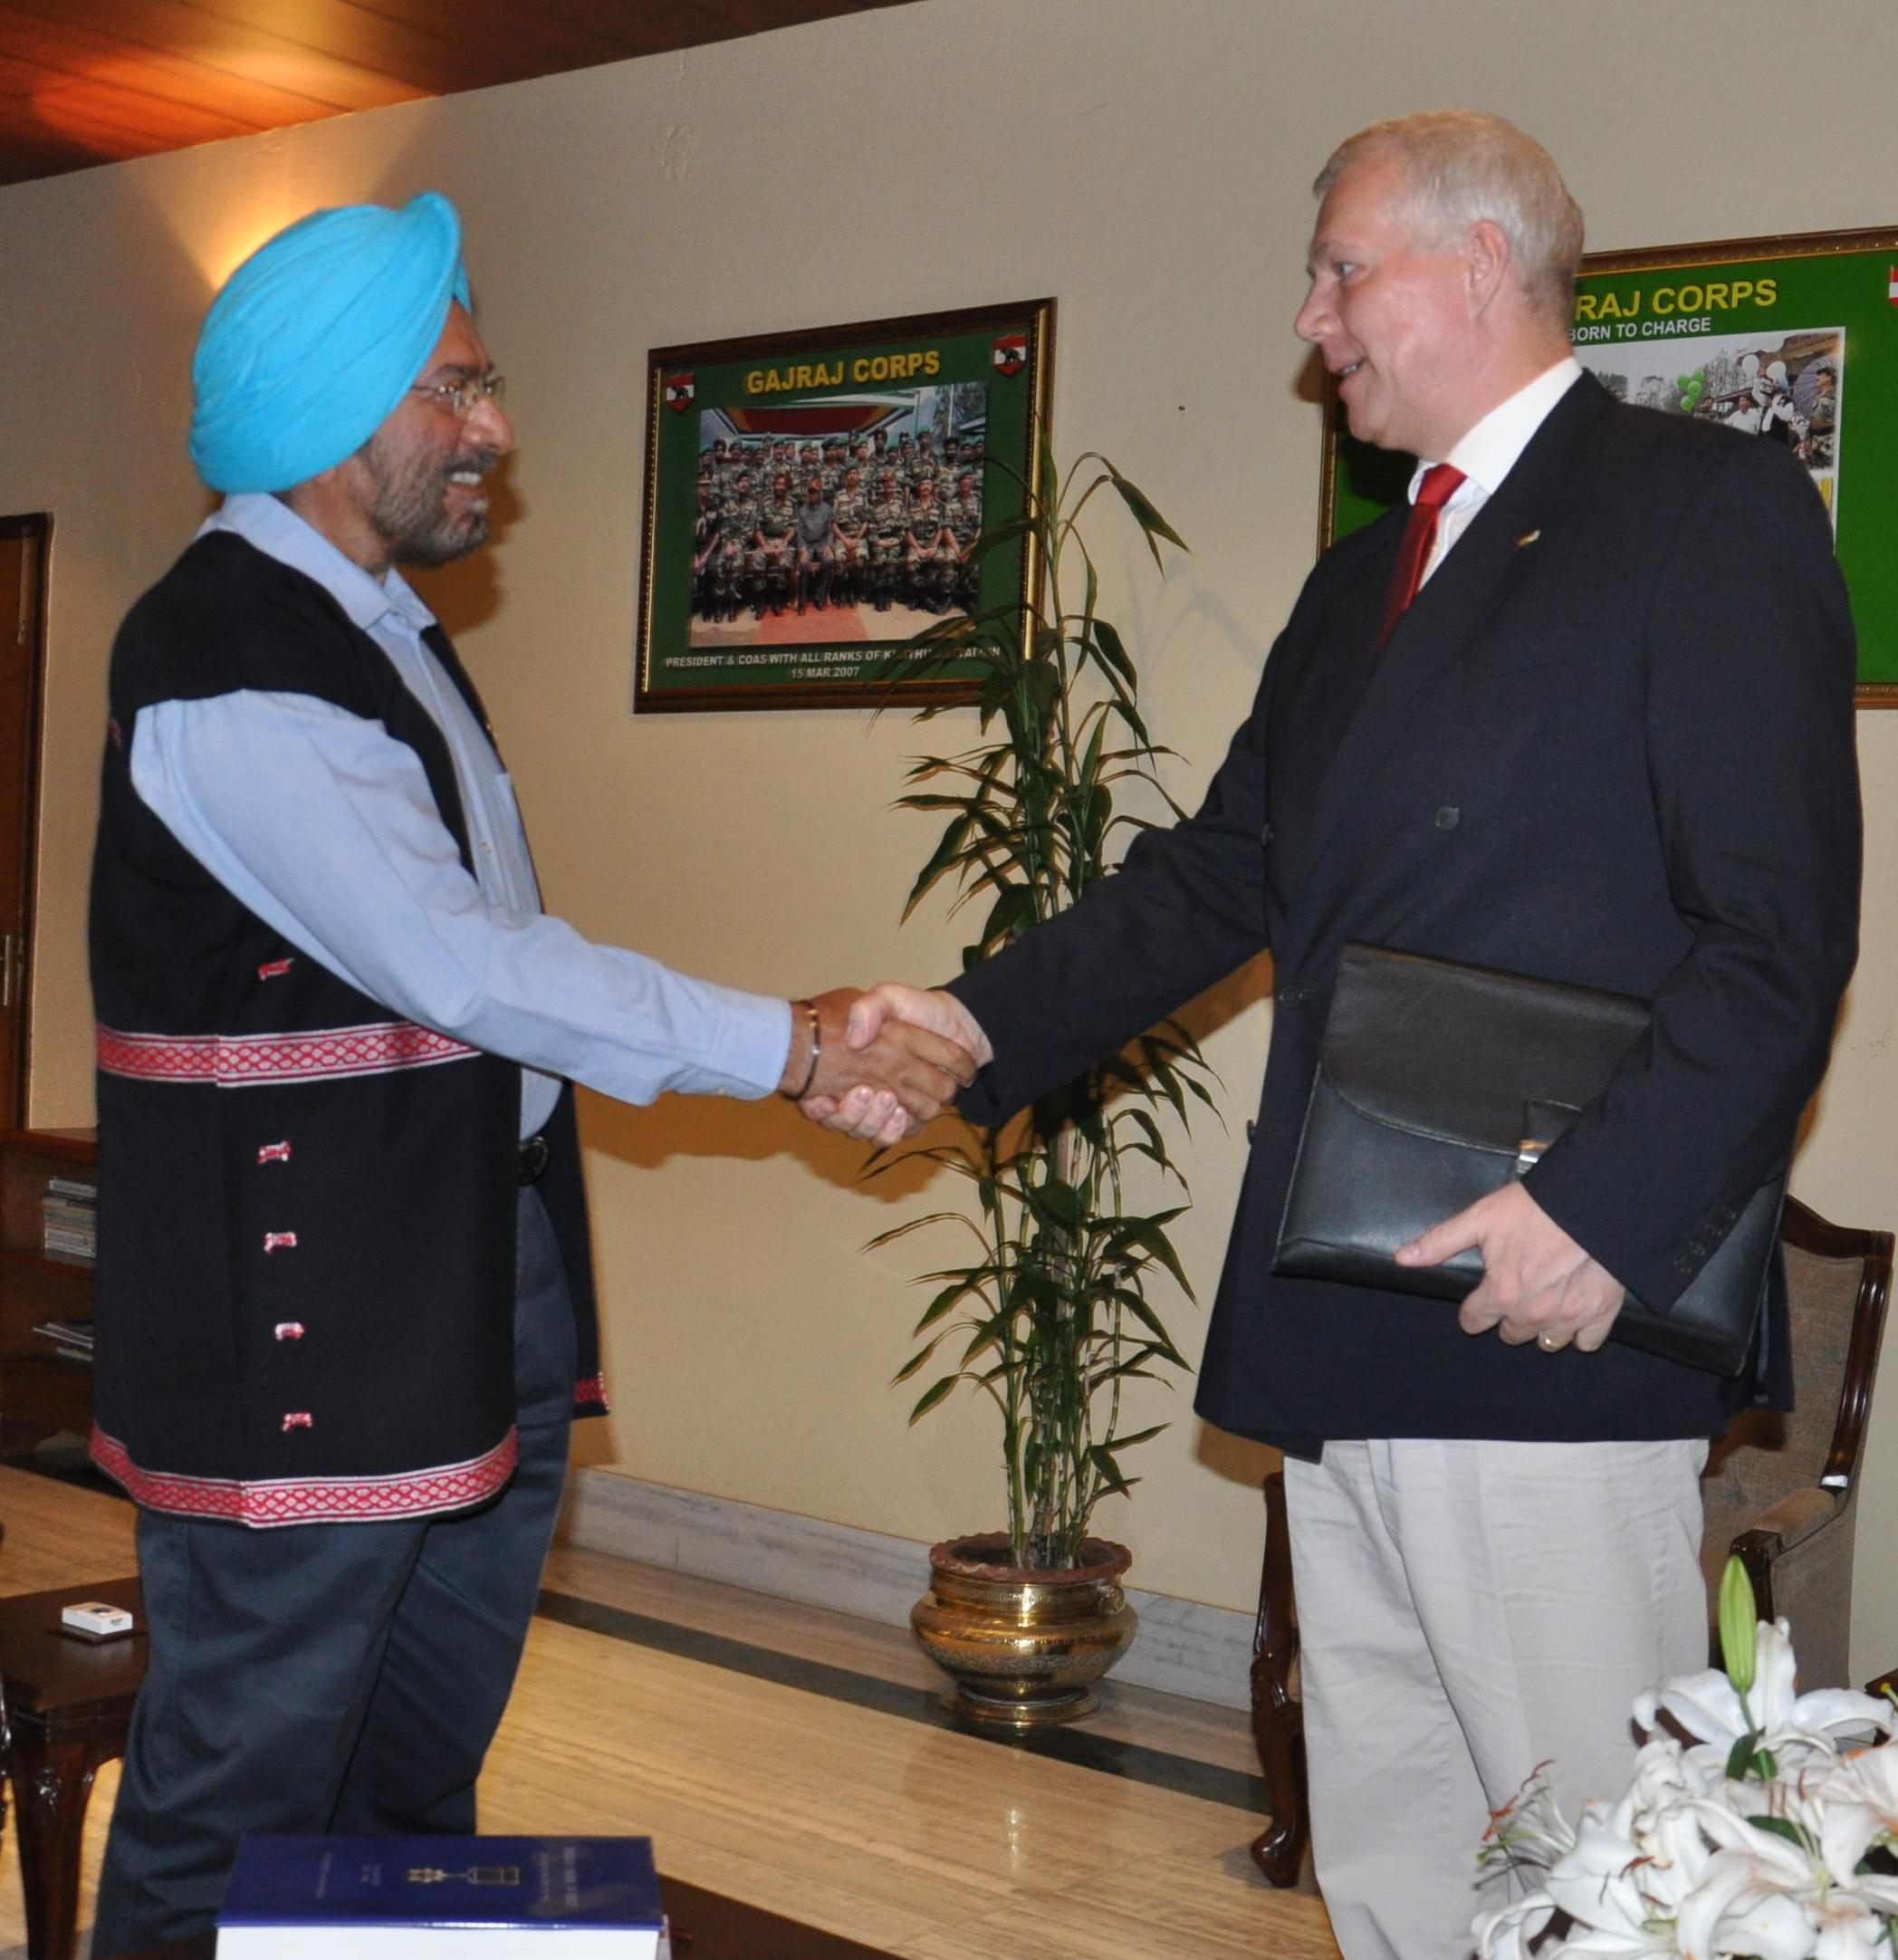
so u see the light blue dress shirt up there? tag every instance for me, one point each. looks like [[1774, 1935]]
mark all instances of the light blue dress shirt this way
[[323, 825]]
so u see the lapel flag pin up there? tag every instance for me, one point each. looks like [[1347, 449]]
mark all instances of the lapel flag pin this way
[[1528, 537]]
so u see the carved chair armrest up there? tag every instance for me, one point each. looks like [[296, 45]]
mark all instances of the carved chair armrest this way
[[1796, 1516], [1797, 1520]]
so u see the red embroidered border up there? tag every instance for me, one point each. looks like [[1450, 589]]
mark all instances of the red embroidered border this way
[[590, 1395], [409, 1494], [234, 1061]]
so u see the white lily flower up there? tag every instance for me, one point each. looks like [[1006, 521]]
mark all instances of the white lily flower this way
[[1529, 1829], [1803, 1727], [1767, 1926], [1600, 1883], [1847, 1931], [1867, 1777], [1654, 1942], [1511, 1933], [1847, 1831], [1790, 1864], [1730, 1881], [1692, 1863]]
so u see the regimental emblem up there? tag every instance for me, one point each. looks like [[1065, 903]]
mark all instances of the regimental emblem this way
[[1010, 355], [678, 391], [1891, 285]]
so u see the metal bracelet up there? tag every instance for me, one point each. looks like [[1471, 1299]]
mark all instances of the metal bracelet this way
[[817, 1049]]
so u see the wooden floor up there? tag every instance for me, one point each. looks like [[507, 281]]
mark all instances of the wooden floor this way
[[795, 1758]]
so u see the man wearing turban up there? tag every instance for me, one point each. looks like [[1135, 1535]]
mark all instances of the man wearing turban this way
[[345, 1303]]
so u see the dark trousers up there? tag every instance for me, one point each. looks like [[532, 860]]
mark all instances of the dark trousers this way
[[333, 1678]]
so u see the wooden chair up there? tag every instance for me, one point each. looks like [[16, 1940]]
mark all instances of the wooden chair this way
[[1277, 1718], [1781, 1492], [70, 1704]]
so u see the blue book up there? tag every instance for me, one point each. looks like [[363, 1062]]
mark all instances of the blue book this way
[[441, 1898]]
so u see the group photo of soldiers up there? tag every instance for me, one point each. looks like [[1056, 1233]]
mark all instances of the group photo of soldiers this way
[[855, 533]]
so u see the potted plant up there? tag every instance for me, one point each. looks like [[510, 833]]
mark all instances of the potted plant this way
[[1050, 1317]]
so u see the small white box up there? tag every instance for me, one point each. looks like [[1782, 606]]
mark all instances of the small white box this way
[[95, 1618]]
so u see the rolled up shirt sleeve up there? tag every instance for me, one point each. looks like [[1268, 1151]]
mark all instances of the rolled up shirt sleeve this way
[[324, 824]]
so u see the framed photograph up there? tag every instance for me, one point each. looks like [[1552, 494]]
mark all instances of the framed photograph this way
[[815, 499], [1756, 333]]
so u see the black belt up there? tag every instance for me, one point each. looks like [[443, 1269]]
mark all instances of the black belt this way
[[532, 1161]]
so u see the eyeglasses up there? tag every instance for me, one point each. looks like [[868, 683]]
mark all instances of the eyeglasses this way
[[461, 399]]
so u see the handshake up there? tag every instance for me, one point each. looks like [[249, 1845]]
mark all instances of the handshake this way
[[878, 1065]]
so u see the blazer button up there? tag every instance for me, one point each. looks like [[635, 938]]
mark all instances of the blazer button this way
[[1449, 817]]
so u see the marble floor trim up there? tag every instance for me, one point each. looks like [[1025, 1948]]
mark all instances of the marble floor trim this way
[[1182, 1648], [1158, 1768]]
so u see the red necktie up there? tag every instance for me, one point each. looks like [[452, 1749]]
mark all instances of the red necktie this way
[[1440, 482]]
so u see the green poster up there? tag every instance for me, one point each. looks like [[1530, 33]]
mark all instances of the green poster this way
[[815, 499]]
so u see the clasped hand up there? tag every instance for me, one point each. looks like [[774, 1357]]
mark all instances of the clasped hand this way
[[897, 1055], [1538, 1284], [890, 1074]]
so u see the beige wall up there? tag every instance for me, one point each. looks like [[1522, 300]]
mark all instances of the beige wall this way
[[1144, 160]]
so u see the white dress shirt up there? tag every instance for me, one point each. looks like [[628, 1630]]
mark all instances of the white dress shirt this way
[[1487, 453], [322, 824]]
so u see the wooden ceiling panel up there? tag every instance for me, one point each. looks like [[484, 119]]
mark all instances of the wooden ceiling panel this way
[[131, 121], [255, 36], [143, 38], [20, 79], [56, 52], [645, 29], [523, 41], [88, 81]]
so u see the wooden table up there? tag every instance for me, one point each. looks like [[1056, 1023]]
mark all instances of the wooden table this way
[[69, 1703], [705, 1927]]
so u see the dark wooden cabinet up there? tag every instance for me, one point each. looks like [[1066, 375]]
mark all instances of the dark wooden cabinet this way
[[41, 1390]]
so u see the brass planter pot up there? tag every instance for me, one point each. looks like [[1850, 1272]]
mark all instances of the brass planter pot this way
[[1022, 1647]]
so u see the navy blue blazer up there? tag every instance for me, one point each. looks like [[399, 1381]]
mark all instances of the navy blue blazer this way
[[1612, 742]]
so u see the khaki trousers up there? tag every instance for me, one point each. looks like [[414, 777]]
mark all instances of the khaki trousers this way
[[1468, 1610]]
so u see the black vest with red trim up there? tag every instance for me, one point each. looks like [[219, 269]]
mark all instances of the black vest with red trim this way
[[306, 1204]]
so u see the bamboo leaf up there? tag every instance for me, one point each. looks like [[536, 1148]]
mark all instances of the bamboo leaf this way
[[1149, 519], [905, 1228], [917, 1360], [936, 1392], [1008, 913], [1058, 1203], [948, 852], [1113, 655], [1148, 1318], [1048, 483], [1154, 1240], [942, 1303], [1001, 534]]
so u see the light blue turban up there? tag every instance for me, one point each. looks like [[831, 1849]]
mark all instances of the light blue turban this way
[[317, 336]]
